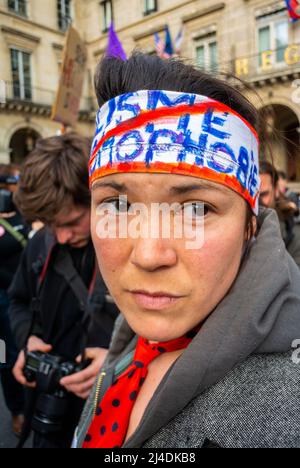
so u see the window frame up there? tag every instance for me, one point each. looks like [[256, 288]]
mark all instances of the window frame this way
[[149, 11], [105, 25], [206, 42], [64, 14], [16, 9], [271, 22], [21, 74]]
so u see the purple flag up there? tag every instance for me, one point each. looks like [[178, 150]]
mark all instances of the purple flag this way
[[114, 48]]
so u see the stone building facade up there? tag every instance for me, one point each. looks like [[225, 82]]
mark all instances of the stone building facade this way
[[250, 38]]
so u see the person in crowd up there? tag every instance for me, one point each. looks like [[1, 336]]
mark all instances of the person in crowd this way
[[202, 352], [288, 194], [271, 197], [13, 237], [58, 293]]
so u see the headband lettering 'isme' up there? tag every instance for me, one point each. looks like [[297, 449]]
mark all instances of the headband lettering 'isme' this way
[[177, 133]]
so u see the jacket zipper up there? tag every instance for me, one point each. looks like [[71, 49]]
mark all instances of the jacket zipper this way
[[98, 390], [124, 364]]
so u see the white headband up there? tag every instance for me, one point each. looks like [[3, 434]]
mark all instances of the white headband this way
[[178, 133]]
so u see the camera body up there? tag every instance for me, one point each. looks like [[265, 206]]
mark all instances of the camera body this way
[[53, 400], [47, 370], [6, 197]]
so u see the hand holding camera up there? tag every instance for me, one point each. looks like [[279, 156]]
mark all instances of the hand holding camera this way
[[38, 369], [82, 383], [34, 344]]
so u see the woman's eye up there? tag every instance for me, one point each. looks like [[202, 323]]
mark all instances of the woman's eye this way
[[116, 205], [196, 210]]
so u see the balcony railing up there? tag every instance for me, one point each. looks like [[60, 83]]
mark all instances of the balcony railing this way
[[34, 95], [261, 67], [267, 65], [38, 96]]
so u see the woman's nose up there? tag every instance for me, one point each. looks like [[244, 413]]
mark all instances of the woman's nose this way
[[153, 254]]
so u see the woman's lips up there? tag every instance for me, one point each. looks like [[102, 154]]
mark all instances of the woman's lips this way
[[154, 301]]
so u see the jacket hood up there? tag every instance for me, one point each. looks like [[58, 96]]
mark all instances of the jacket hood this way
[[260, 314]]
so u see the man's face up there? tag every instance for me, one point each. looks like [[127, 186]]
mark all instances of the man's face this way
[[268, 192], [72, 227]]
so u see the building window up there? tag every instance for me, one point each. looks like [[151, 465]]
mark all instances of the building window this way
[[107, 15], [18, 6], [21, 75], [273, 37], [64, 14], [150, 6], [207, 54]]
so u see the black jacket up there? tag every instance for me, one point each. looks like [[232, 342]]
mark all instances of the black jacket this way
[[58, 320], [10, 250]]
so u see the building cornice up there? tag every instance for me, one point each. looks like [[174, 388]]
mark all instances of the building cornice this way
[[17, 32], [41, 110], [204, 12], [150, 32], [29, 22], [58, 47], [270, 9]]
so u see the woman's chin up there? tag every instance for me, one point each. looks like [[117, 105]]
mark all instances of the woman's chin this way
[[155, 330]]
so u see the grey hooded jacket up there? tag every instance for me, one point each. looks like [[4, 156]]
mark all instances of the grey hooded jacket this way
[[238, 382]]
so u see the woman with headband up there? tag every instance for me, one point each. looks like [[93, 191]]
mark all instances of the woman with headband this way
[[204, 353]]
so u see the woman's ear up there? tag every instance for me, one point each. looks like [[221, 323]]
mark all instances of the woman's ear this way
[[251, 229]]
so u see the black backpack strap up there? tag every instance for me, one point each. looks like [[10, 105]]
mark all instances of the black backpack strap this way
[[103, 312], [65, 267], [39, 268]]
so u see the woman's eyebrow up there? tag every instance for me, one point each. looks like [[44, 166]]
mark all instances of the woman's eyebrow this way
[[183, 189], [113, 185], [176, 190]]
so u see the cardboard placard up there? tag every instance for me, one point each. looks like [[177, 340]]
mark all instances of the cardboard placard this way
[[67, 104]]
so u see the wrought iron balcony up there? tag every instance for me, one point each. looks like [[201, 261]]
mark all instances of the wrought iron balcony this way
[[281, 64], [35, 100]]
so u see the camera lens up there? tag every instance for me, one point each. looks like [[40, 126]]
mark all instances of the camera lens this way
[[49, 414]]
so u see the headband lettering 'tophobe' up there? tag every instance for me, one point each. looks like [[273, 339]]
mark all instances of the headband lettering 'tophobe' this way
[[177, 133]]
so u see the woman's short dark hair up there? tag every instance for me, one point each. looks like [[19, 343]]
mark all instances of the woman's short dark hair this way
[[115, 77]]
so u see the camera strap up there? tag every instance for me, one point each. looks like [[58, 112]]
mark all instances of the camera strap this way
[[36, 300], [15, 234], [65, 267]]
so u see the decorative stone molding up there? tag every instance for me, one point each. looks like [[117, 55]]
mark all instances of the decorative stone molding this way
[[204, 12], [20, 39]]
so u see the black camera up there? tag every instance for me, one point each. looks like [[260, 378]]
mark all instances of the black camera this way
[[46, 371], [6, 197]]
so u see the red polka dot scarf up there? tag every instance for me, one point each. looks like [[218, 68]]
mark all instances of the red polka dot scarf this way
[[110, 425]]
